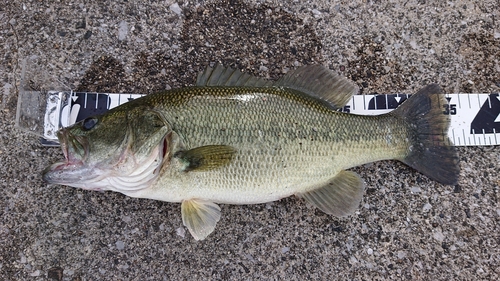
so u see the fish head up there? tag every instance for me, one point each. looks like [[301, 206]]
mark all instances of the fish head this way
[[122, 150]]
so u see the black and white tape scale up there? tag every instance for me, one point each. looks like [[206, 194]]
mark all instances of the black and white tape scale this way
[[475, 118]]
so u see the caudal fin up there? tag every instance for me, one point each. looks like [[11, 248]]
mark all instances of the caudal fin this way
[[430, 153]]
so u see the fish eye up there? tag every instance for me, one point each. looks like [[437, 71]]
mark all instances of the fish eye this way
[[89, 123]]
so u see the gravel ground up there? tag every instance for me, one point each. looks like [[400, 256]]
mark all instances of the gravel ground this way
[[408, 227]]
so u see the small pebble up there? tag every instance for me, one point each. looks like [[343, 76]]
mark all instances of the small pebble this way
[[176, 9], [181, 231], [120, 245]]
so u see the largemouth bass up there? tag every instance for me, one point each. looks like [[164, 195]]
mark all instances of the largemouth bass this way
[[238, 139]]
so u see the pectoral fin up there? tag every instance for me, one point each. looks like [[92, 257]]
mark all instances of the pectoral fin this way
[[339, 197], [200, 217], [206, 157]]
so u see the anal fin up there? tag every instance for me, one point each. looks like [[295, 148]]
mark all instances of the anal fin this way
[[200, 217], [339, 197]]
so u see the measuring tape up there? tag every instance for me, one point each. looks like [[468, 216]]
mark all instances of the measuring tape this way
[[475, 118]]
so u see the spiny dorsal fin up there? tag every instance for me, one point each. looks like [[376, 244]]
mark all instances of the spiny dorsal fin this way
[[318, 81], [222, 76], [200, 217], [339, 197], [206, 157]]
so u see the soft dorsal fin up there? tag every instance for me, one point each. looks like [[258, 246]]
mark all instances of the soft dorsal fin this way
[[314, 80], [222, 76], [320, 82]]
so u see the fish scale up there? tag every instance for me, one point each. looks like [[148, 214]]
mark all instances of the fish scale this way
[[280, 147]]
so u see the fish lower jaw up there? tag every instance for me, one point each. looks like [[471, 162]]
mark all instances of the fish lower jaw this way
[[74, 174]]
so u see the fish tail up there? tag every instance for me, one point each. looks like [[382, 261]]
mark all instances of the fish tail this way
[[430, 151]]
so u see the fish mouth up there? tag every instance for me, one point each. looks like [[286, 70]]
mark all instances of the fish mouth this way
[[75, 150]]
